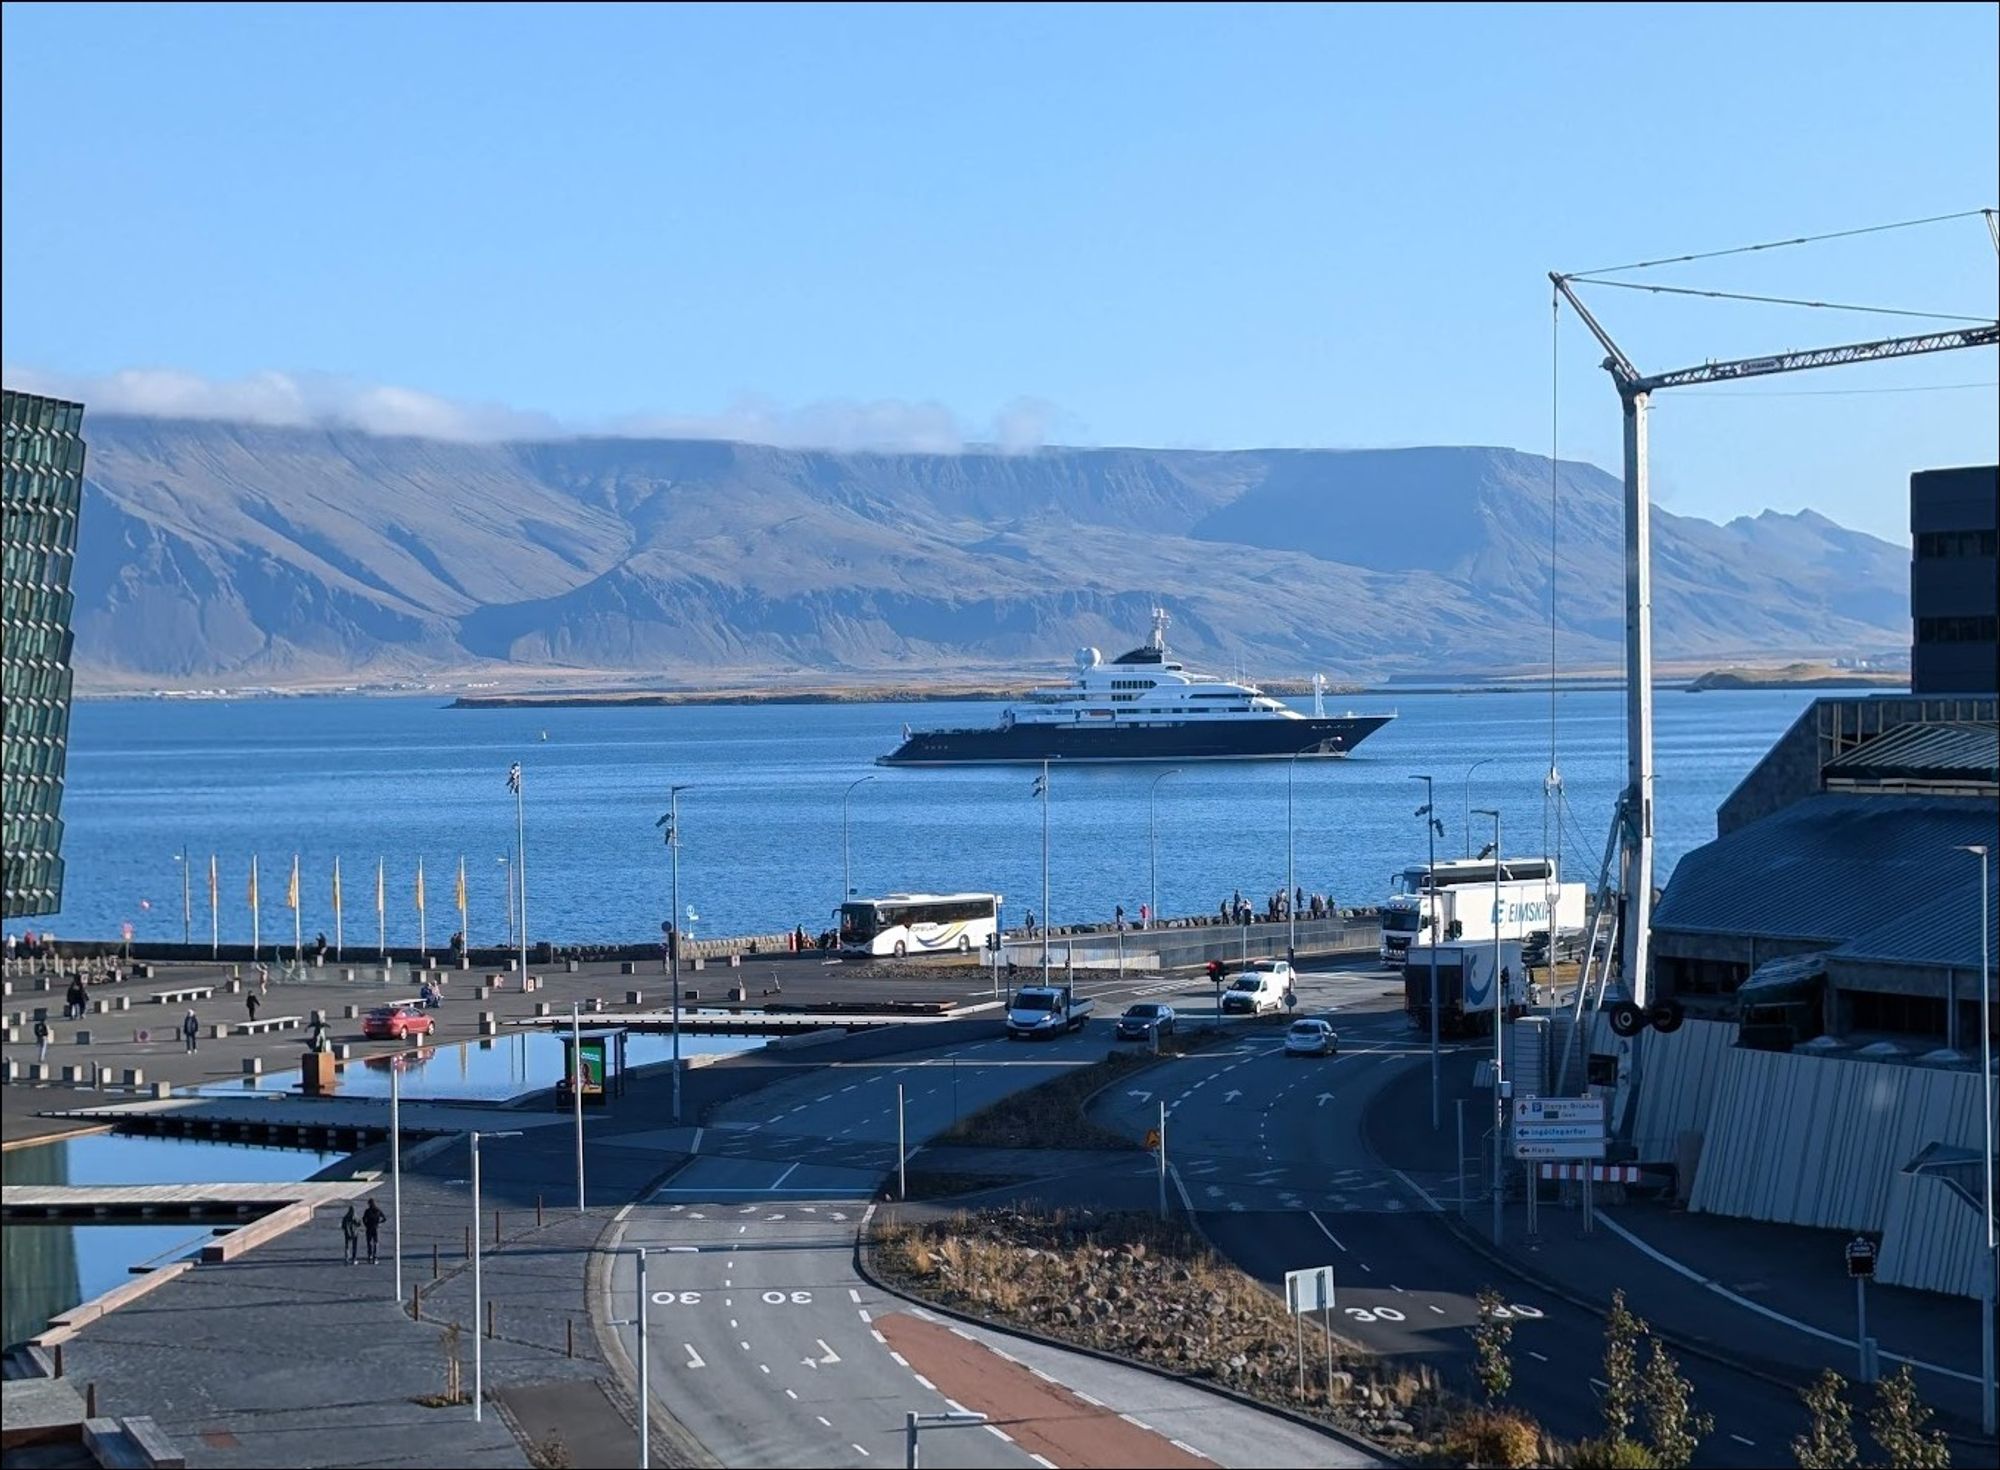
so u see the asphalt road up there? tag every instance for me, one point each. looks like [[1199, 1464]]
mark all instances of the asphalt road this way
[[1271, 1154], [769, 1347]]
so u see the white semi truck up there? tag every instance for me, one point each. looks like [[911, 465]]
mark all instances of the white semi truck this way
[[1464, 907], [1465, 985]]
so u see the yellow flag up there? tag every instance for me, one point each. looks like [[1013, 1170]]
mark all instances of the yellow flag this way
[[420, 884], [292, 887], [461, 885]]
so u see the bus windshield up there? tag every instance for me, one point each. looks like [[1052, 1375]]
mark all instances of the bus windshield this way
[[859, 923]]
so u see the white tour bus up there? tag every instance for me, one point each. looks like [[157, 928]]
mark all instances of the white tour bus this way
[[921, 923]]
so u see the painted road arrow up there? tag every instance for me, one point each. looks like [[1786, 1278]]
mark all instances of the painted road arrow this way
[[1325, 1098], [1231, 1095], [1142, 1096]]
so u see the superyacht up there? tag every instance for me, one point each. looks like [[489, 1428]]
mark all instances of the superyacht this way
[[1142, 706]]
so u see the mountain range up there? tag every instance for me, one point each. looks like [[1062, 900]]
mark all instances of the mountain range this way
[[216, 553]]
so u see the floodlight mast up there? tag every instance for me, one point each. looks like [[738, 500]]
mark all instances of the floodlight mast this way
[[1634, 818]]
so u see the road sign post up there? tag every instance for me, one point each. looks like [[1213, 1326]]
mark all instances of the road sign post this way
[[1861, 1266], [1308, 1291]]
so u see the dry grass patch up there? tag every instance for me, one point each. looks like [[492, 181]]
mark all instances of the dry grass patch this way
[[1149, 1289], [1050, 1114]]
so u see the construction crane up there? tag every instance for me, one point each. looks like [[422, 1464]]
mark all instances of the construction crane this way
[[1630, 849]]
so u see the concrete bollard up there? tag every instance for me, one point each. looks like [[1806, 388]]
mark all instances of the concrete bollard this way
[[736, 962], [347, 973], [13, 1035], [82, 1038], [627, 967], [513, 965], [73, 1076], [738, 993], [142, 972], [489, 1028], [38, 1071], [343, 1051], [160, 1089], [543, 1008], [132, 1077], [635, 997], [489, 1016], [481, 992], [236, 972], [350, 1013], [699, 963], [217, 1032], [531, 982], [234, 987], [570, 967], [690, 995], [12, 1071], [253, 1066]]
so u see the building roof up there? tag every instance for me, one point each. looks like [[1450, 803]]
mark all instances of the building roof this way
[[1944, 751], [1836, 868]]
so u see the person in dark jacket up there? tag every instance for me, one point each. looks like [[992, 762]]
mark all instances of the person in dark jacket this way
[[371, 1222], [250, 1004], [190, 1028], [350, 1232]]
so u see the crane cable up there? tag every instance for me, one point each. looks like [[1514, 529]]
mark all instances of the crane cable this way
[[1640, 265], [1935, 316]]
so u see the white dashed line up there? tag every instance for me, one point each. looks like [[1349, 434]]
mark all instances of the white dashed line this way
[[1185, 1448], [824, 1420], [924, 1383], [998, 1433], [791, 1393], [1439, 1310], [763, 1367], [876, 1333], [744, 1345], [1043, 1461], [1137, 1423], [1041, 1375], [1094, 1403], [1538, 1357], [685, 1249], [864, 1315], [1741, 1440], [858, 1449], [901, 1361], [853, 1295]]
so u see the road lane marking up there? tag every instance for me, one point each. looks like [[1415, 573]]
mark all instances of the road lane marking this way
[[763, 1367], [1185, 1448], [824, 1420], [784, 1176], [853, 1295], [858, 1449], [1538, 1357], [1422, 1193], [876, 1333], [999, 1433], [694, 1358], [1043, 1461], [1741, 1440], [1041, 1375], [1140, 1423], [920, 1312], [1094, 1403], [1437, 1309], [687, 1249], [744, 1345], [1763, 1311], [791, 1393], [864, 1315], [1313, 1216], [1394, 1287], [695, 1148], [830, 1355], [924, 1382], [901, 1361]]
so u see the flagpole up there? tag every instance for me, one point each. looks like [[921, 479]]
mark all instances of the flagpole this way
[[381, 907], [1045, 872], [256, 928], [337, 935], [464, 916], [298, 920], [423, 921], [521, 862], [214, 910]]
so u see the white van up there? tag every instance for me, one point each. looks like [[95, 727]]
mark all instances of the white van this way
[[1257, 989]]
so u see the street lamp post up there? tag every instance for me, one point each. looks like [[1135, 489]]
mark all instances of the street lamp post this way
[[1153, 844], [846, 874], [672, 822], [1291, 874], [478, 1332], [1499, 1013], [1427, 908], [1487, 761], [1042, 790], [1986, 1347]]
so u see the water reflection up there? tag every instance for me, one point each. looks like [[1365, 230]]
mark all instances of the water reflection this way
[[492, 1069], [47, 1269]]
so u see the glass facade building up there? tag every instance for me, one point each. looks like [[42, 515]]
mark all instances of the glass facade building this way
[[43, 489]]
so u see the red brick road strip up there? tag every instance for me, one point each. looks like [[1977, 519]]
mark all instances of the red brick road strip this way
[[1044, 1418]]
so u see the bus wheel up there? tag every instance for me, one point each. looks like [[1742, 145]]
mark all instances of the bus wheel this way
[[900, 949]]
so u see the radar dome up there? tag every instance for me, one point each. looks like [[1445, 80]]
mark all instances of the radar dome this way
[[1088, 658]]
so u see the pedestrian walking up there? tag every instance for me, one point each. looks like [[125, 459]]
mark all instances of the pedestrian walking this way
[[350, 1231], [250, 1003], [371, 1221], [41, 1039], [190, 1028]]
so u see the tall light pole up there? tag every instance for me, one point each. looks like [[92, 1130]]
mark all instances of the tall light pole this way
[[187, 897], [396, 1164], [672, 822], [478, 1331], [1427, 908], [1045, 872], [576, 1092], [1153, 843], [515, 783], [1986, 1367], [1499, 1013], [1486, 761], [846, 874], [1291, 874]]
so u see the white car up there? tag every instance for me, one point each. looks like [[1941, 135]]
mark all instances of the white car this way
[[1259, 987], [1311, 1039]]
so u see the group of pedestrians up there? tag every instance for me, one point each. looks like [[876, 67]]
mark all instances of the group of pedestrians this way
[[352, 1229], [1278, 906]]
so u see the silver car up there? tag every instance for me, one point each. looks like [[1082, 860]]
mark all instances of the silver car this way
[[1311, 1038]]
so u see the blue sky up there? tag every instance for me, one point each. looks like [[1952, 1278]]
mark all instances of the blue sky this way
[[1193, 226]]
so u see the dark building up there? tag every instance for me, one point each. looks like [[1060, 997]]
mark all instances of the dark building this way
[[1954, 607], [43, 488]]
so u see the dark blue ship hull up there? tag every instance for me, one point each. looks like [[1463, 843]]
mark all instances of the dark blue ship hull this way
[[1103, 740]]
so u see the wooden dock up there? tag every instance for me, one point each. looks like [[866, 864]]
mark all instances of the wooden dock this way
[[99, 1202], [336, 1124]]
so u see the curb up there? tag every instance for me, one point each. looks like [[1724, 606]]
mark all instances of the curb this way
[[1303, 1421]]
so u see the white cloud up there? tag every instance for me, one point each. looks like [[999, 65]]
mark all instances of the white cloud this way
[[300, 400]]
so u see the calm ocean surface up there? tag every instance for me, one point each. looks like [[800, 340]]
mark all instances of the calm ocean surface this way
[[404, 778]]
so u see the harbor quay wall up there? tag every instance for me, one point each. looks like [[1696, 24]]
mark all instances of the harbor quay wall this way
[[1177, 942]]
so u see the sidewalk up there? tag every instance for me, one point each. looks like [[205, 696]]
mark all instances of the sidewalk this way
[[289, 1356]]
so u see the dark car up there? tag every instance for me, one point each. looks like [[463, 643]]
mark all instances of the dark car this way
[[1141, 1020], [1535, 948]]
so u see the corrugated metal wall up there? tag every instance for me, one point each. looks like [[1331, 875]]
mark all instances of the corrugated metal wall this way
[[1818, 1140], [1680, 1073], [1931, 1239]]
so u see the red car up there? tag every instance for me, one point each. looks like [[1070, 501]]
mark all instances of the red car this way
[[395, 1023]]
